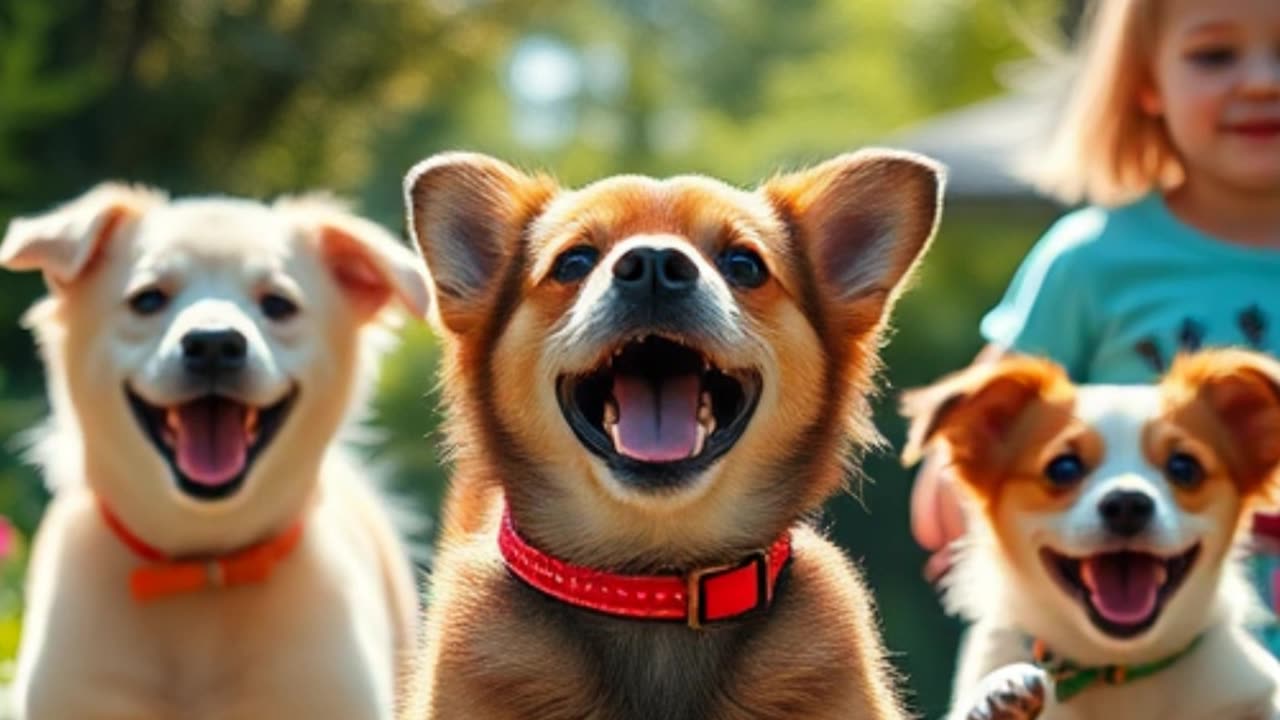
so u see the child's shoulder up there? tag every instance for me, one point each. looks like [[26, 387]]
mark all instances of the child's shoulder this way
[[1093, 233]]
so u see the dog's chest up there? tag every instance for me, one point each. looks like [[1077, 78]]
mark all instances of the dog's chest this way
[[1223, 692], [660, 670], [244, 652], [1227, 677]]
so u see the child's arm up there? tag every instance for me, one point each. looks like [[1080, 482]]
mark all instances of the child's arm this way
[[936, 516]]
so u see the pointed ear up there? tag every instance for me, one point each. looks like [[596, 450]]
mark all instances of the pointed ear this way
[[1242, 389], [63, 242], [864, 219], [975, 409], [468, 213], [369, 264]]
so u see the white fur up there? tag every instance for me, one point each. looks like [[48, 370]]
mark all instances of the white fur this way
[[1011, 597], [323, 636]]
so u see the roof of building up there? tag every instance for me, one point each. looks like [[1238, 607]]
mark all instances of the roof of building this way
[[982, 144]]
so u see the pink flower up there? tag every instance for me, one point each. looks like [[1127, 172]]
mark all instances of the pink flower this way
[[8, 538]]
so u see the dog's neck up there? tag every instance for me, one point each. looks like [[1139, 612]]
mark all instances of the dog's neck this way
[[1071, 678], [697, 597], [180, 531], [159, 575], [579, 525]]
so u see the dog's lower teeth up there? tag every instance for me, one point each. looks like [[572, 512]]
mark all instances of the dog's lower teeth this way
[[706, 418], [610, 415], [172, 421], [251, 422]]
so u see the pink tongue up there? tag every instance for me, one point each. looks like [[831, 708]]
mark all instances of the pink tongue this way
[[657, 422], [1123, 586], [210, 441]]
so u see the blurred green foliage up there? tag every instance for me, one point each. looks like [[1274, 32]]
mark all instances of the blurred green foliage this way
[[12, 563], [259, 97]]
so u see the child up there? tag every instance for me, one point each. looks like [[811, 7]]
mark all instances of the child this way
[[1172, 135]]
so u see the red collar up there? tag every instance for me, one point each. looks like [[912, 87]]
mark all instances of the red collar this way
[[165, 576], [699, 597]]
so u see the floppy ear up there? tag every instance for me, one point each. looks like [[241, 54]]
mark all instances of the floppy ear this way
[[63, 242], [1242, 388], [370, 265], [863, 219], [467, 213], [975, 409]]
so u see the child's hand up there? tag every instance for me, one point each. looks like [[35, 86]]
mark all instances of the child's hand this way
[[1014, 692], [936, 516]]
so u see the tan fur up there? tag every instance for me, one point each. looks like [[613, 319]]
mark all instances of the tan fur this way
[[493, 647], [1006, 422], [325, 635]]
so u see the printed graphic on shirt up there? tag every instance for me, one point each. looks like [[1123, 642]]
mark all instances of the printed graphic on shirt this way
[[1251, 321], [1191, 335], [1253, 324]]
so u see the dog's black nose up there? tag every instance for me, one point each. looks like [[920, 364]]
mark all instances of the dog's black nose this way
[[1126, 512], [214, 352], [652, 273]]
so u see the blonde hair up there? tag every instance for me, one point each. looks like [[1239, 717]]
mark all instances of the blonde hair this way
[[1107, 149]]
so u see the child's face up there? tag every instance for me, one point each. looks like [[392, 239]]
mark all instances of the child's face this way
[[1217, 86]]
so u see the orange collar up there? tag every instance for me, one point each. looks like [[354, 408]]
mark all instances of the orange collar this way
[[165, 576]]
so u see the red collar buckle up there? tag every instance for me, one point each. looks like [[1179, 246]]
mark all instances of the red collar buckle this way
[[729, 592], [701, 597]]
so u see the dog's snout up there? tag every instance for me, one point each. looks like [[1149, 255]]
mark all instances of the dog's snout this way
[[214, 352], [1126, 512], [655, 273]]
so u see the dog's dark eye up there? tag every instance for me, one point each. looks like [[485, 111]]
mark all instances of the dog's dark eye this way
[[1065, 470], [1183, 470], [743, 268], [148, 301], [575, 263], [277, 307]]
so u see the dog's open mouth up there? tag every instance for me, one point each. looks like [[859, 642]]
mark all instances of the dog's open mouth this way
[[1122, 592], [211, 442], [659, 411]]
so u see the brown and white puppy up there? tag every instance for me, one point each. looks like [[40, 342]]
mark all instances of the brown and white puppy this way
[[209, 552], [657, 376], [1105, 529]]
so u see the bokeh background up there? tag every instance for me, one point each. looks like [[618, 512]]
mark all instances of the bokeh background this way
[[261, 97]]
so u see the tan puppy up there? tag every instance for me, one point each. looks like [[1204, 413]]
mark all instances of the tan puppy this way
[[208, 553], [1102, 547], [660, 379]]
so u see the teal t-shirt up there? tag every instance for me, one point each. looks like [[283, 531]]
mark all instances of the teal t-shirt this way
[[1114, 294]]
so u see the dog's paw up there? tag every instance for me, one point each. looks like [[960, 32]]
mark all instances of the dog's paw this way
[[1014, 692]]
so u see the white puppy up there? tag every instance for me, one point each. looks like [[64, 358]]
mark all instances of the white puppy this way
[[208, 554], [1103, 544]]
